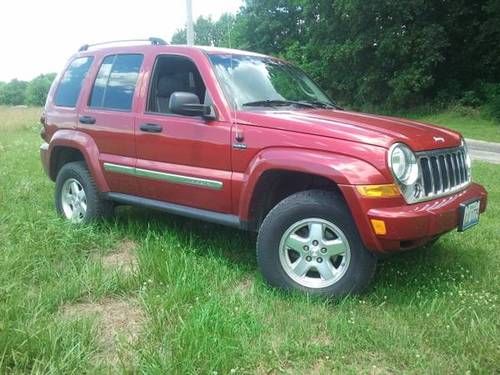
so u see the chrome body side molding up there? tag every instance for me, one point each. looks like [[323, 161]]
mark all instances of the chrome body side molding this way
[[169, 177]]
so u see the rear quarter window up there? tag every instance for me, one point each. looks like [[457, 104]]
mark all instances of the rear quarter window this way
[[71, 82], [115, 82]]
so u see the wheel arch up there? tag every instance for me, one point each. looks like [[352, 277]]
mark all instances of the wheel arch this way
[[274, 185], [71, 145], [275, 174], [62, 155]]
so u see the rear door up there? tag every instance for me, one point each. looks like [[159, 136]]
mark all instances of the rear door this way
[[182, 159], [108, 117]]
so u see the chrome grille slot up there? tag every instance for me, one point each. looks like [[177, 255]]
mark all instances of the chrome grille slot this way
[[435, 174], [451, 170], [426, 173], [464, 168], [442, 171], [456, 169]]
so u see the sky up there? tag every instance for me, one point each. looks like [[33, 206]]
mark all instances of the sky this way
[[38, 36]]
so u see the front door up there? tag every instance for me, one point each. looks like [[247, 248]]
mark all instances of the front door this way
[[182, 159]]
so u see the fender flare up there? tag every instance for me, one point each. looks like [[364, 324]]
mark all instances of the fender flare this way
[[86, 145], [338, 168]]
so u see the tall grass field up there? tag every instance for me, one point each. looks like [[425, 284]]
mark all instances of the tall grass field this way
[[158, 294]]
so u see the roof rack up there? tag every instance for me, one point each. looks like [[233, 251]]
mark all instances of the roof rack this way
[[152, 40]]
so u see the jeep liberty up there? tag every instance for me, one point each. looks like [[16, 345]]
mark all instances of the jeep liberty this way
[[250, 141]]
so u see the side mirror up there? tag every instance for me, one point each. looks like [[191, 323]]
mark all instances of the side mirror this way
[[188, 104]]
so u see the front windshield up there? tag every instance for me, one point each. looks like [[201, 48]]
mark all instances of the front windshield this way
[[253, 81]]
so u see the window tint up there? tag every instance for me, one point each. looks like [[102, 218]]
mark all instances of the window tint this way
[[71, 83], [251, 79], [173, 74], [115, 83], [101, 81]]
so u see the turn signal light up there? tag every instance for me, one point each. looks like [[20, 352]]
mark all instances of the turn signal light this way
[[378, 191], [378, 226]]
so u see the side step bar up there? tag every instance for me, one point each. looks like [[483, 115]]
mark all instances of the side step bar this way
[[177, 209]]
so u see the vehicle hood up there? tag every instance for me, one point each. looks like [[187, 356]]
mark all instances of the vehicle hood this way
[[376, 130]]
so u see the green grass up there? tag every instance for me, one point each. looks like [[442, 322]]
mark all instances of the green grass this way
[[471, 123], [434, 310]]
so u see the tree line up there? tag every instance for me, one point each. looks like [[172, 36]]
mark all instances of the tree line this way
[[393, 54], [34, 92], [382, 54]]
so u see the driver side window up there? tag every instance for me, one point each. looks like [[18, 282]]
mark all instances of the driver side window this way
[[174, 74]]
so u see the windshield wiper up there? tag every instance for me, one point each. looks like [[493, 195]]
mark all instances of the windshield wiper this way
[[321, 104], [276, 103], [301, 103]]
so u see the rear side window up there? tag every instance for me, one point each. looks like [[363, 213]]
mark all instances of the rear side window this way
[[71, 82], [115, 82]]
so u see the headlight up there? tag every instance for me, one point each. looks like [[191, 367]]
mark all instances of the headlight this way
[[403, 164]]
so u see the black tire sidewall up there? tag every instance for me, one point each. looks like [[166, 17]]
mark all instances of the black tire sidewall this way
[[313, 204]]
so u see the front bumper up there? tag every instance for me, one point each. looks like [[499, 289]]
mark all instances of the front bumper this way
[[409, 225]]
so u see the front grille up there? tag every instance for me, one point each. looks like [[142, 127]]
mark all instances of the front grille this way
[[443, 171]]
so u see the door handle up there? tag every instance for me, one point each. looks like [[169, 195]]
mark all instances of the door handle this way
[[89, 120], [151, 128]]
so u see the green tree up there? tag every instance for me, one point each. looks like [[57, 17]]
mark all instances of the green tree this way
[[381, 52], [179, 37], [208, 32], [2, 85], [385, 53], [13, 93], [38, 88], [271, 26]]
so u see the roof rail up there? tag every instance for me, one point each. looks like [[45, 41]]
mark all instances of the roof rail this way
[[152, 40]]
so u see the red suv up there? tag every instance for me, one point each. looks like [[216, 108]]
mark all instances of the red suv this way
[[250, 141]]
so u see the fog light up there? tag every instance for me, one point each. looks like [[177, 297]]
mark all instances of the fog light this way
[[378, 226]]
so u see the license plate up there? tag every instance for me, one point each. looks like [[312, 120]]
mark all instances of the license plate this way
[[469, 215]]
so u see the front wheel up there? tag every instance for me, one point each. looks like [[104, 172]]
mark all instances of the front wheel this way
[[309, 242]]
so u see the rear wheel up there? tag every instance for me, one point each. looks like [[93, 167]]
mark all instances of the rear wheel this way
[[77, 198], [309, 242]]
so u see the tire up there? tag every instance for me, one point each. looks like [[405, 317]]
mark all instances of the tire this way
[[432, 242], [77, 198], [346, 266]]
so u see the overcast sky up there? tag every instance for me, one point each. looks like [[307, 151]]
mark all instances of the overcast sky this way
[[38, 36]]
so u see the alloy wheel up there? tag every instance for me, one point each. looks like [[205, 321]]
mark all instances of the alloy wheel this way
[[314, 252], [74, 200]]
